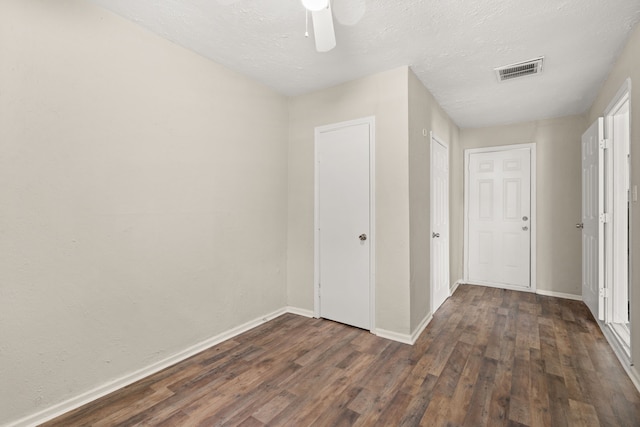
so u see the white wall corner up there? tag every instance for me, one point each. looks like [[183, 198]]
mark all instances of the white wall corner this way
[[455, 286], [558, 295], [421, 327], [405, 338]]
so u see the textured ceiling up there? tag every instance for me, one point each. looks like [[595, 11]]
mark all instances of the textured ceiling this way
[[451, 45]]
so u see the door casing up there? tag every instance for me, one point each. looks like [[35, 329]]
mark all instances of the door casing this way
[[533, 213], [618, 232], [372, 234]]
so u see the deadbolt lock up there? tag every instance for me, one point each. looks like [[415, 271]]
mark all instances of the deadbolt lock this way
[[525, 218]]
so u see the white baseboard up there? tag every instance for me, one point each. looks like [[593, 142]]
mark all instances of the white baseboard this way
[[514, 288], [300, 312], [501, 286], [421, 327], [455, 286], [624, 360], [111, 386], [394, 336], [633, 374], [405, 338], [559, 295]]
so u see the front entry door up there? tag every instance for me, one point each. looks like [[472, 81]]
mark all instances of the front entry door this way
[[499, 218], [343, 235], [439, 223]]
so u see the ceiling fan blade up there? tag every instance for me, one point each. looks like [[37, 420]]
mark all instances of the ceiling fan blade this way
[[323, 30]]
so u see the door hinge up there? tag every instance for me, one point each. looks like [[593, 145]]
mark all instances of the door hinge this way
[[604, 218], [604, 292], [604, 144]]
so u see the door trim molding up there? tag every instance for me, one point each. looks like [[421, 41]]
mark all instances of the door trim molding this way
[[370, 120], [612, 232], [434, 138], [534, 214]]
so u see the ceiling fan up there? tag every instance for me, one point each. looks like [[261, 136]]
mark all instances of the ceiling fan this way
[[323, 31], [346, 12]]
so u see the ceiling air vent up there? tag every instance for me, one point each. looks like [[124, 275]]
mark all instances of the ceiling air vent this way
[[520, 69]]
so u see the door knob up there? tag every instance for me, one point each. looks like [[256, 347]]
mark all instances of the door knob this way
[[362, 237], [579, 225], [434, 235], [525, 228]]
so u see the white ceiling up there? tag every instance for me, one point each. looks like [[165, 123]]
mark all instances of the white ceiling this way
[[452, 46]]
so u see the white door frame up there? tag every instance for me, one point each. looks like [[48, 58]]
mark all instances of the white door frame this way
[[612, 233], [437, 140], [533, 214], [372, 224]]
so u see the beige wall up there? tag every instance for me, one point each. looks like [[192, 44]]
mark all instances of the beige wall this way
[[384, 96], [403, 107], [142, 204], [628, 66], [424, 114], [558, 195]]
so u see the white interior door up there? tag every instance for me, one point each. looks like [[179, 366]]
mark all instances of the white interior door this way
[[343, 235], [499, 218], [592, 227], [439, 223]]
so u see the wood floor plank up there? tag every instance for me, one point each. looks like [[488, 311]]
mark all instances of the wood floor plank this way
[[500, 407], [179, 418], [118, 417], [448, 379], [490, 357], [478, 412], [582, 414], [538, 392], [419, 403], [558, 400], [436, 413], [464, 391], [251, 422]]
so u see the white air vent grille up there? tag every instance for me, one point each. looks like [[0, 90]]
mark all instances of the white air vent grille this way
[[520, 69]]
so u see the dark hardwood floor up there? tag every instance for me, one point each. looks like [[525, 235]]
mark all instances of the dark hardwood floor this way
[[489, 357]]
